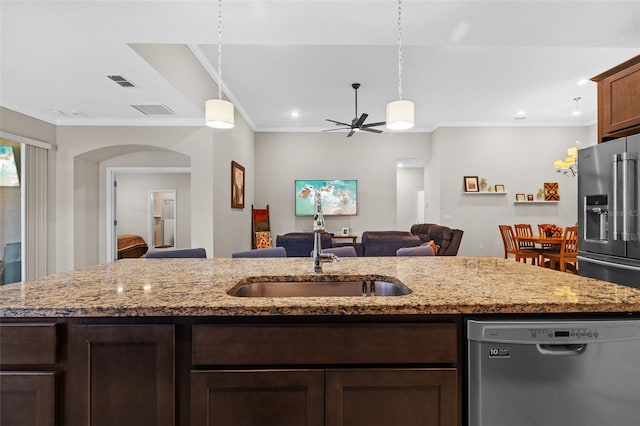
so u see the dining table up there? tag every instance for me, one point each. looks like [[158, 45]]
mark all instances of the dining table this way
[[545, 242]]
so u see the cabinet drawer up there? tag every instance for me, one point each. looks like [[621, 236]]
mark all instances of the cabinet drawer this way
[[324, 344], [33, 343]]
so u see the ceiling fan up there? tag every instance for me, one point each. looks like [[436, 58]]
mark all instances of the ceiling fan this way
[[357, 123]]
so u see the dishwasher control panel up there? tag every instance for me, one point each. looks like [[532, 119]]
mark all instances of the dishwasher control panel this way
[[558, 332]]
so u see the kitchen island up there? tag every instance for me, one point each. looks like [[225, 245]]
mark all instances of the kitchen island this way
[[161, 342]]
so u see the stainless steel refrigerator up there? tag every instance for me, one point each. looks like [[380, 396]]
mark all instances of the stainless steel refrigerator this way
[[608, 211]]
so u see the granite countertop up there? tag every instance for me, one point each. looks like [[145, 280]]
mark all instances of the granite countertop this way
[[198, 287]]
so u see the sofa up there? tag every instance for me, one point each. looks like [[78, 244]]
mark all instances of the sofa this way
[[386, 243], [300, 244], [447, 239]]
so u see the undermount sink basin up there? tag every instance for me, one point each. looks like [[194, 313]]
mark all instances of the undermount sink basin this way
[[329, 288]]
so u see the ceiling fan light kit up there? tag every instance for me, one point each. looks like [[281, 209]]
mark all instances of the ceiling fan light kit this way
[[219, 113], [400, 115]]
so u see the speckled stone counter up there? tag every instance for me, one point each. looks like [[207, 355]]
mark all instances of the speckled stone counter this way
[[198, 287]]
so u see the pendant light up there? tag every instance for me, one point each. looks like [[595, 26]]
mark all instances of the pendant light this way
[[219, 113], [400, 113]]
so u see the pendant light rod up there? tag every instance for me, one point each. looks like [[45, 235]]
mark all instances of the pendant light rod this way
[[400, 49], [219, 49], [400, 113], [219, 113]]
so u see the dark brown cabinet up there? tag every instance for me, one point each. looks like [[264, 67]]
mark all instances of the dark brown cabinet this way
[[28, 398], [355, 374], [619, 100], [257, 398], [388, 397], [28, 374], [120, 375]]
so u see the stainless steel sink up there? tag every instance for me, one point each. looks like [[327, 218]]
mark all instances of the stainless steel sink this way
[[329, 288]]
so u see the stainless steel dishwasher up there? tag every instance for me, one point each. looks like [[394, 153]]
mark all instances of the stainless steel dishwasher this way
[[554, 373]]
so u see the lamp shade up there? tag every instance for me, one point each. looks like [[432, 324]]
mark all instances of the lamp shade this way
[[573, 151], [219, 114], [400, 115], [557, 164]]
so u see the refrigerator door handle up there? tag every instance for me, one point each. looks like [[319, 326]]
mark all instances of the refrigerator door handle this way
[[605, 263], [614, 204], [627, 194]]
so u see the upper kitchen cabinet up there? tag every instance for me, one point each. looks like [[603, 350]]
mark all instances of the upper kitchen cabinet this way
[[619, 100]]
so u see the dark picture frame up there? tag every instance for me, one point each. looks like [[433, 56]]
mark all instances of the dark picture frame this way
[[237, 186], [471, 184], [529, 197], [520, 197], [499, 188]]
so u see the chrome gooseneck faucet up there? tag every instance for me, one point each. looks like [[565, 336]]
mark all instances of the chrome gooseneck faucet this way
[[318, 229]]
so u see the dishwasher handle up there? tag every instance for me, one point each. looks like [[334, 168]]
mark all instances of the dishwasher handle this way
[[561, 350]]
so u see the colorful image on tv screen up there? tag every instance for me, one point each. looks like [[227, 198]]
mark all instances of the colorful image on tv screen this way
[[339, 197]]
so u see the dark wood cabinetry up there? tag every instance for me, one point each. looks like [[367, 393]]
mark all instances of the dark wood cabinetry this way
[[388, 397], [619, 100], [240, 372], [28, 374], [257, 398], [356, 377], [120, 375]]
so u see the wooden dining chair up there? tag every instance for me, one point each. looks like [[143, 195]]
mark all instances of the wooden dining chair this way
[[524, 230], [511, 247], [566, 258]]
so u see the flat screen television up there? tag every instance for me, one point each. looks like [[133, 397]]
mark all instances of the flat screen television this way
[[339, 197], [8, 169]]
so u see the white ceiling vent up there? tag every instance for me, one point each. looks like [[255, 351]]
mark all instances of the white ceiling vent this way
[[121, 80], [153, 109]]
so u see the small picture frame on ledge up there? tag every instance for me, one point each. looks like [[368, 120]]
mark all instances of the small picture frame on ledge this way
[[529, 197], [471, 184], [499, 188], [345, 231], [520, 197]]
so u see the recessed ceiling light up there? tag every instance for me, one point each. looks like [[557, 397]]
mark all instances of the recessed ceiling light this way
[[521, 115], [56, 112], [295, 114], [582, 82]]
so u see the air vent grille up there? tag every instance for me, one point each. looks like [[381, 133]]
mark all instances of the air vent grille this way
[[154, 109], [123, 82]]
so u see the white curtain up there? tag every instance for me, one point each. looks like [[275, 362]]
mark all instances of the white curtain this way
[[35, 211]]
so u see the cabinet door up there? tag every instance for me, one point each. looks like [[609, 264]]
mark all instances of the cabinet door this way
[[28, 398], [390, 397], [257, 398], [120, 375]]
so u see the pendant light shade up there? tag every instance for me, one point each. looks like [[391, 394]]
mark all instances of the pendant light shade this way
[[219, 114], [400, 115]]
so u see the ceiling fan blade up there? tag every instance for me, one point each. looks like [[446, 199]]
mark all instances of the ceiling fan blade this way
[[368, 129], [338, 128], [338, 123], [351, 133], [361, 120], [380, 123]]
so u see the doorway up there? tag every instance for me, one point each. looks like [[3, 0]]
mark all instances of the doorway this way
[[129, 210]]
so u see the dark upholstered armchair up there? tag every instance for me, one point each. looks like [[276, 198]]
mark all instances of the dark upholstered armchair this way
[[447, 239]]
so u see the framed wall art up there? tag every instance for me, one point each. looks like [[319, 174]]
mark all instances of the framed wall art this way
[[499, 188], [471, 184], [237, 186], [520, 197]]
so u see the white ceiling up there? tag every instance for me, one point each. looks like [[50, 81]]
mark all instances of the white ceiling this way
[[468, 62]]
